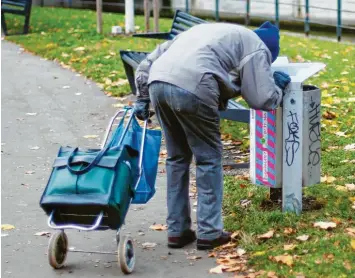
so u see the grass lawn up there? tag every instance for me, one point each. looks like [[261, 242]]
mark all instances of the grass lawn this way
[[69, 36]]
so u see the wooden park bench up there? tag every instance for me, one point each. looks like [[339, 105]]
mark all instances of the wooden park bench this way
[[19, 7]]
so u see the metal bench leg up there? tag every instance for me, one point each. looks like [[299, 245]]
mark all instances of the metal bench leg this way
[[130, 75], [3, 23], [27, 20]]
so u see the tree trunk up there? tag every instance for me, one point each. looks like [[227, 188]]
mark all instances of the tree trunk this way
[[146, 15], [99, 16], [156, 15]]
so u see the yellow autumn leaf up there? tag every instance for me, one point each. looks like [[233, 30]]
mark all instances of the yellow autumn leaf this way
[[346, 89], [285, 259], [259, 253], [80, 48], [90, 136], [327, 179], [6, 227], [289, 247], [352, 243]]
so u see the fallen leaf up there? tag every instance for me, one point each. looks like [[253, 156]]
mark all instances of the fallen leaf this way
[[318, 261], [289, 231], [235, 235], [149, 245], [352, 243], [80, 48], [329, 115], [120, 82], [350, 186], [341, 188], [347, 265], [31, 114], [329, 257], [350, 231], [267, 235], [6, 227], [241, 251], [344, 73], [299, 58], [303, 237], [212, 255], [194, 258], [45, 233], [285, 259], [90, 136], [218, 269], [327, 179], [29, 172], [158, 227], [300, 275], [259, 253], [325, 225], [340, 134], [324, 85], [34, 148], [289, 246], [271, 274], [233, 269], [350, 147]]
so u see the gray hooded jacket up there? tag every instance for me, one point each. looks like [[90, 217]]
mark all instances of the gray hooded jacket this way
[[228, 60]]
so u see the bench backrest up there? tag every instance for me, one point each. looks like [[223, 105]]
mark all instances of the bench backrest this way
[[183, 21], [18, 3]]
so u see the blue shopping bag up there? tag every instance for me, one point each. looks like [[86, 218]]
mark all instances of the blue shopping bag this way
[[145, 189]]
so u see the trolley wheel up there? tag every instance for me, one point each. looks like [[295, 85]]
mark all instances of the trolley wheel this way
[[58, 249], [126, 256]]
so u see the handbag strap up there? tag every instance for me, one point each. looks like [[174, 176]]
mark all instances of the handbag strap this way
[[88, 167]]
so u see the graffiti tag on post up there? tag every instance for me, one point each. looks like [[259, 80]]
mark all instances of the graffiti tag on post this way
[[314, 134], [292, 143]]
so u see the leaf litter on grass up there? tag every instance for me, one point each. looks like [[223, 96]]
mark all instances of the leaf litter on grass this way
[[336, 79]]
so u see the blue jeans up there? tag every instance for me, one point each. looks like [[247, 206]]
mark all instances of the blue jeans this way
[[191, 128]]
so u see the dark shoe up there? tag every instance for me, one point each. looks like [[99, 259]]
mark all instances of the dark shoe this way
[[186, 238], [203, 244]]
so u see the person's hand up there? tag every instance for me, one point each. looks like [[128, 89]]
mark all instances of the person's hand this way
[[141, 109], [281, 79]]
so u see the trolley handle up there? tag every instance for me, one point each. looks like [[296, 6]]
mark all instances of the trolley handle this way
[[141, 151], [73, 226]]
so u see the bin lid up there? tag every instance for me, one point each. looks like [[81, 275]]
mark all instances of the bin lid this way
[[299, 72]]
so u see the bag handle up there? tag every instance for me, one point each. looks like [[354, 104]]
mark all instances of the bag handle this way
[[88, 167]]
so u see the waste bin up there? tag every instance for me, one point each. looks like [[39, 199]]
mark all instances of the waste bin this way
[[285, 144]]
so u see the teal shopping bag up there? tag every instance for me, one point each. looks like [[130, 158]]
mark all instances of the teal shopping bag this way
[[85, 181], [151, 141]]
